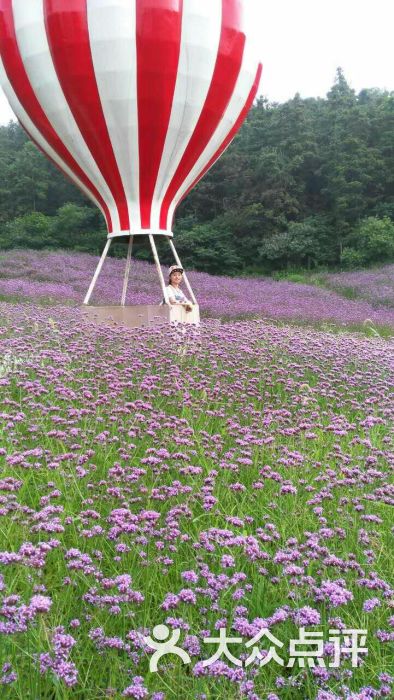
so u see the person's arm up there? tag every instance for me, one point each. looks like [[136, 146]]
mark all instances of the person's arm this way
[[188, 305]]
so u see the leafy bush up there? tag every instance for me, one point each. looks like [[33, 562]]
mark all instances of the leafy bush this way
[[371, 242], [352, 259], [72, 227], [32, 230], [78, 228], [376, 239], [304, 243], [208, 247]]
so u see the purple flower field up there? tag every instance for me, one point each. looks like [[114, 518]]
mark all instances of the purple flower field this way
[[377, 286], [64, 278], [235, 477]]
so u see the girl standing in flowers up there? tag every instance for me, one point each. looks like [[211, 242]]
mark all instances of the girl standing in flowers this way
[[175, 294]]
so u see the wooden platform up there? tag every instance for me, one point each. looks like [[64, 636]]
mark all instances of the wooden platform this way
[[136, 316]]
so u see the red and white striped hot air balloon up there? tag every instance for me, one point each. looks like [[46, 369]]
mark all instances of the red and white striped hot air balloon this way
[[133, 99]]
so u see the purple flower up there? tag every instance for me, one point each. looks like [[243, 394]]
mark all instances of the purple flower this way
[[136, 690], [333, 591], [370, 604], [227, 561], [40, 603], [187, 596], [58, 661], [7, 675], [306, 616], [190, 576]]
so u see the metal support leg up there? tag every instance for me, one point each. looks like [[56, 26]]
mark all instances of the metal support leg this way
[[159, 270], [178, 262], [127, 271], [98, 270]]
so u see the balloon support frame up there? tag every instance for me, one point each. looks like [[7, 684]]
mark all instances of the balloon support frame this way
[[139, 315]]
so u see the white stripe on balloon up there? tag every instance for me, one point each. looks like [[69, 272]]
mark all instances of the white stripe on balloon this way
[[237, 102], [36, 56], [201, 30], [32, 130], [113, 46]]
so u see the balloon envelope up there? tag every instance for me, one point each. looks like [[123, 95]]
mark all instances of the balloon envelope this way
[[132, 99]]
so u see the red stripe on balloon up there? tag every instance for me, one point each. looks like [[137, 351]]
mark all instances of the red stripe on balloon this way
[[228, 65], [158, 40], [231, 134], [19, 80], [68, 37]]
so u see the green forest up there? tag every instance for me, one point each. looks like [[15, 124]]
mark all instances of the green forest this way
[[306, 184]]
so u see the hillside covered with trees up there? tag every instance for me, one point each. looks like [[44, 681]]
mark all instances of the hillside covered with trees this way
[[306, 183]]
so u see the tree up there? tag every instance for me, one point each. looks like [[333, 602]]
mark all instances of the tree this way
[[208, 247], [28, 231], [305, 243], [372, 241], [351, 165], [29, 179], [77, 227]]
